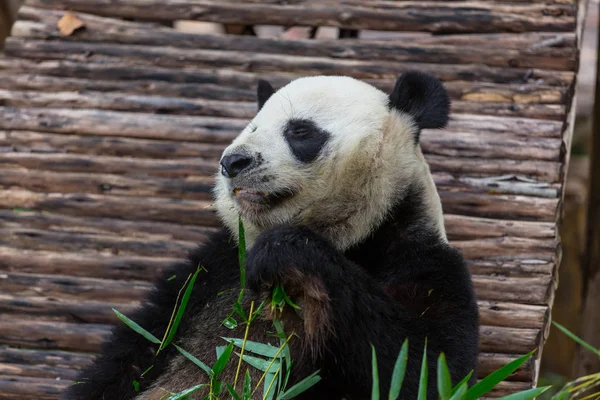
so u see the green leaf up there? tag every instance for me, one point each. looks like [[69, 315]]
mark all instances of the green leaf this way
[[255, 347], [261, 364], [424, 372], [216, 387], [181, 309], [443, 378], [193, 359], [230, 322], [136, 327], [399, 371], [577, 339], [182, 395], [222, 361], [288, 300], [375, 374], [237, 307], [171, 278], [301, 386], [460, 391], [526, 394], [269, 386], [233, 393], [242, 252], [490, 381], [136, 385], [465, 380], [247, 391], [147, 370]]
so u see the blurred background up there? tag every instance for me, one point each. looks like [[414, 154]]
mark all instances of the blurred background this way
[[561, 360]]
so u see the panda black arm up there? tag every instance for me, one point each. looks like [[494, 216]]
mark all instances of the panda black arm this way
[[430, 296], [126, 354]]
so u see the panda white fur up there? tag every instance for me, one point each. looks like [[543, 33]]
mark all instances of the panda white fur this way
[[340, 208]]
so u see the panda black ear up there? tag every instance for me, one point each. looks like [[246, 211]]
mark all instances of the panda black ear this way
[[263, 92], [423, 97]]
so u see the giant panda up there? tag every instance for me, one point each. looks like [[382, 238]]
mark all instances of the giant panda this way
[[340, 209]]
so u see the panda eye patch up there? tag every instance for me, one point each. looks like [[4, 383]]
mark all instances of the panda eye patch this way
[[305, 138]]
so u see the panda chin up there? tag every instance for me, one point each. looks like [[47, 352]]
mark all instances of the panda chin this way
[[257, 202]]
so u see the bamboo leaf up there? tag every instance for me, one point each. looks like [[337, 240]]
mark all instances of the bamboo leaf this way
[[183, 394], [247, 391], [443, 378], [262, 364], [465, 380], [301, 386], [222, 361], [424, 372], [399, 371], [460, 392], [526, 394], [184, 301], [375, 374], [233, 393], [193, 359], [577, 339], [268, 389], [254, 347], [136, 327], [490, 381]]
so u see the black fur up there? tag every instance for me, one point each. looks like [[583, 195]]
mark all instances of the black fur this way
[[263, 92], [390, 287], [305, 139], [424, 98]]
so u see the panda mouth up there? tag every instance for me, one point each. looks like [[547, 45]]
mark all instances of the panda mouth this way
[[260, 198]]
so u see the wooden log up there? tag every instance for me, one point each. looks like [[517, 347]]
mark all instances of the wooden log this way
[[27, 388], [406, 16], [217, 108], [52, 335], [544, 171], [130, 208], [499, 206], [51, 358], [105, 31], [169, 58], [122, 70], [490, 362], [191, 188], [106, 266], [39, 150], [191, 212], [12, 77], [151, 155], [76, 288], [110, 123], [133, 229], [507, 388], [522, 126], [77, 241], [512, 315], [80, 311], [37, 371], [468, 144], [507, 184], [124, 102], [505, 247], [460, 227], [529, 267], [535, 290], [508, 340], [540, 111]]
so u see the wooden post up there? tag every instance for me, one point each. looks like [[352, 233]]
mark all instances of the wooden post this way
[[586, 362]]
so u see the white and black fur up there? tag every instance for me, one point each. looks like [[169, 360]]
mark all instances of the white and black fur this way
[[340, 208]]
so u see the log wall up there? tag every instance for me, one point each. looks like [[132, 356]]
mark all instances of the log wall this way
[[110, 136]]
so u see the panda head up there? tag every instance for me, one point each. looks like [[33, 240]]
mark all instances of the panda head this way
[[332, 153]]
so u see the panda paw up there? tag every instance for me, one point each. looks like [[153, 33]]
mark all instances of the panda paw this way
[[288, 256]]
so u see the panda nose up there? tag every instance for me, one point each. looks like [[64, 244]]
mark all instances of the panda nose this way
[[234, 164]]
